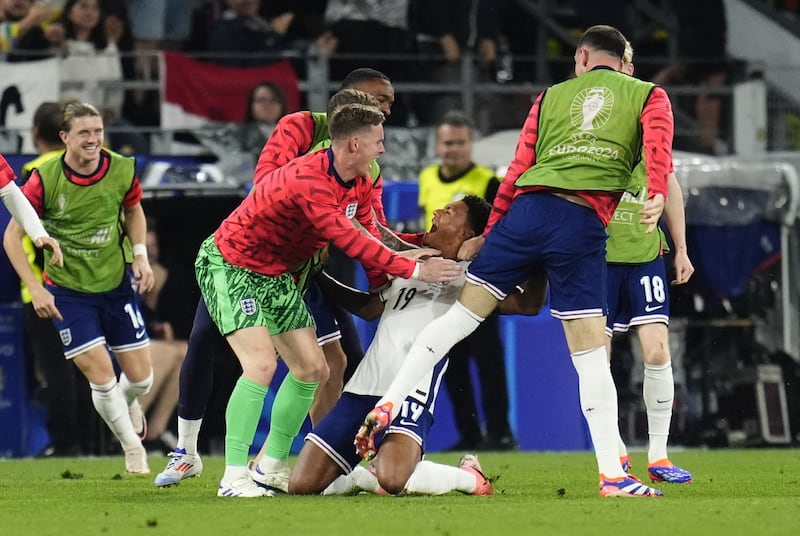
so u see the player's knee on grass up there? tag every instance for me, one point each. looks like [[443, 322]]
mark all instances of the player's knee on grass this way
[[393, 472], [393, 479], [304, 484], [398, 457]]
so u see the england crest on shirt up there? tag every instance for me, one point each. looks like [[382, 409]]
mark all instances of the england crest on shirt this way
[[249, 306], [66, 336], [350, 211]]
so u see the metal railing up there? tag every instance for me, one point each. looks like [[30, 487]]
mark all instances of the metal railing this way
[[471, 88]]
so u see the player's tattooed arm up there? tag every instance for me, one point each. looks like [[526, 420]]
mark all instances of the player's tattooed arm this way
[[388, 238], [391, 240]]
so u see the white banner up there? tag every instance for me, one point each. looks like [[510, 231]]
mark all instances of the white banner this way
[[23, 87]]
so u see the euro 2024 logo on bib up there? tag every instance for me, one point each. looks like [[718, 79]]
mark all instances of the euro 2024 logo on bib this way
[[591, 108], [350, 211]]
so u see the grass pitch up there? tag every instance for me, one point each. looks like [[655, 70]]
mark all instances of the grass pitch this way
[[734, 492]]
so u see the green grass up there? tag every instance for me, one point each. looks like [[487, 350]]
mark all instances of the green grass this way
[[734, 492]]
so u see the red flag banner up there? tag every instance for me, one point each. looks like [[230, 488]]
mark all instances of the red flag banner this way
[[196, 93]]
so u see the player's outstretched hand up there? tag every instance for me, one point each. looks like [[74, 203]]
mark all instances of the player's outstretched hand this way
[[439, 270], [470, 248], [651, 212], [48, 242]]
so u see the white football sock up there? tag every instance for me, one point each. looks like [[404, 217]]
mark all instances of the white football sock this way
[[188, 432], [621, 447], [359, 479], [232, 472], [429, 348], [431, 478], [268, 464], [658, 390], [110, 404], [133, 390], [598, 398]]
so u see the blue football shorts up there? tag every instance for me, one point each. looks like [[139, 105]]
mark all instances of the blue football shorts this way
[[113, 318], [337, 430], [325, 323], [637, 294], [543, 231]]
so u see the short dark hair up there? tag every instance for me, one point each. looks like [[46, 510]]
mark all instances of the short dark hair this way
[[47, 121], [605, 38], [456, 118], [479, 210], [362, 75]]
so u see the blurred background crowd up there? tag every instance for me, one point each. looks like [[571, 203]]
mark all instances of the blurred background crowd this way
[[421, 45]]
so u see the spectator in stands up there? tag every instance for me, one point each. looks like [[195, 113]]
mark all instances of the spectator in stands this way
[[237, 146], [156, 25], [451, 29], [97, 35], [92, 56], [454, 177], [265, 105], [134, 110], [380, 30], [25, 26], [168, 323], [247, 38], [703, 62], [505, 42], [204, 15], [510, 34], [308, 21], [159, 25]]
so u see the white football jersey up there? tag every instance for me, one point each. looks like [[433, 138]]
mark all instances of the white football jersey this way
[[410, 306]]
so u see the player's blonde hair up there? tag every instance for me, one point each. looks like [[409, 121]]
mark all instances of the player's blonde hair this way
[[627, 56], [73, 109], [348, 119], [350, 96]]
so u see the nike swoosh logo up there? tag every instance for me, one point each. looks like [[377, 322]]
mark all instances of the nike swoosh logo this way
[[140, 333], [663, 401], [406, 422], [650, 309]]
